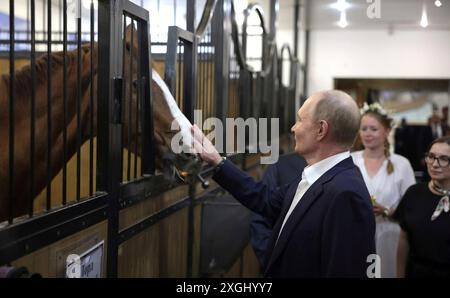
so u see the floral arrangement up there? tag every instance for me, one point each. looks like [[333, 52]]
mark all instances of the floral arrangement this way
[[377, 108], [374, 107]]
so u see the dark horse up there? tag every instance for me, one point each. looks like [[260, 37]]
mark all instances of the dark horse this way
[[164, 113]]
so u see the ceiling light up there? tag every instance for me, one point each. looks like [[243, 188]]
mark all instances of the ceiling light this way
[[341, 5], [424, 19], [343, 20], [438, 3]]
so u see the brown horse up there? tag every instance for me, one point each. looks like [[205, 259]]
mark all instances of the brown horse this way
[[162, 112]]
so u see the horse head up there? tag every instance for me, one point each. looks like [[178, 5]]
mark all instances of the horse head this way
[[168, 120], [165, 113]]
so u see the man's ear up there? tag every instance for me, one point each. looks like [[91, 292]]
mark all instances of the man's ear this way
[[323, 130]]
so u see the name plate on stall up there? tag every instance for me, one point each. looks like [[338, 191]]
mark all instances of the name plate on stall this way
[[86, 265]]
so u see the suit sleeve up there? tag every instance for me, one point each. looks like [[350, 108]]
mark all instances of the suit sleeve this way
[[348, 236], [260, 226], [256, 196]]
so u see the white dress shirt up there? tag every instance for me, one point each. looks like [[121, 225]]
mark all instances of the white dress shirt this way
[[310, 175]]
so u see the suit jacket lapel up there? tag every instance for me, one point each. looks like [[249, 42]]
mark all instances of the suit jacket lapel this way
[[299, 211], [286, 204], [297, 214]]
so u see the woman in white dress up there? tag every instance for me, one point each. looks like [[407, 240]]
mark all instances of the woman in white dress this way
[[387, 176]]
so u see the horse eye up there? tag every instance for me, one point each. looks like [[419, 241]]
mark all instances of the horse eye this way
[[135, 83]]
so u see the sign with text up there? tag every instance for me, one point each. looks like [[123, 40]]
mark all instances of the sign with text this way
[[86, 265]]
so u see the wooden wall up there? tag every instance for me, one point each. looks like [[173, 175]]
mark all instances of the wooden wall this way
[[50, 261]]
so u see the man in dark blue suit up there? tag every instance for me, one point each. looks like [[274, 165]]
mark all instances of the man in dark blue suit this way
[[325, 226], [287, 168]]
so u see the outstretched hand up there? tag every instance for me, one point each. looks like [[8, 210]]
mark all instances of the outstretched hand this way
[[204, 148]]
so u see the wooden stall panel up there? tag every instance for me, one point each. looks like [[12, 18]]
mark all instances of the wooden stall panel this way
[[50, 261], [141, 210], [159, 251], [140, 256], [174, 239]]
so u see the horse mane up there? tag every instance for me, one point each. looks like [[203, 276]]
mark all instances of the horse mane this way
[[23, 78]]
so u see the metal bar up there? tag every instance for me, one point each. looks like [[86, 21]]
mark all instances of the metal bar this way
[[274, 10], [170, 73], [103, 93], [49, 105], [190, 15], [208, 87], [28, 16], [124, 43], [222, 27], [203, 68], [144, 188], [33, 108], [206, 17], [174, 12], [11, 114], [41, 231], [190, 71], [110, 16], [178, 79], [91, 105], [59, 19], [244, 37], [189, 78], [130, 103], [148, 155], [78, 107], [206, 78], [306, 66], [265, 53], [199, 83], [65, 111], [43, 17], [135, 10], [296, 26], [138, 98], [185, 35], [210, 74]]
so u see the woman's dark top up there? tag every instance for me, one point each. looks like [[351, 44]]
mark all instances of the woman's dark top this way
[[429, 241]]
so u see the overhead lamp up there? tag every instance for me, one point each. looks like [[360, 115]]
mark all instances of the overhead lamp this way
[[341, 5], [438, 3], [424, 19], [343, 20]]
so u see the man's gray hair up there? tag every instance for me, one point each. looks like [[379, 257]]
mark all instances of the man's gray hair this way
[[342, 114]]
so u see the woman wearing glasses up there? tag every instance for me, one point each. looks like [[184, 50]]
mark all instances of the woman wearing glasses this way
[[387, 177], [424, 217]]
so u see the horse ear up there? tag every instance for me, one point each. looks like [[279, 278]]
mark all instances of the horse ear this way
[[131, 29]]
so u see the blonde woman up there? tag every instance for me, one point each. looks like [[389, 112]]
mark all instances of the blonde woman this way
[[387, 176]]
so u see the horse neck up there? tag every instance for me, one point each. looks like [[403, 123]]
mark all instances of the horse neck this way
[[75, 126], [22, 123]]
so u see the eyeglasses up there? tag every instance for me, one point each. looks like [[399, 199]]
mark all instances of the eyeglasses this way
[[443, 160]]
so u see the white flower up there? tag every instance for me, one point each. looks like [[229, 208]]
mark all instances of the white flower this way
[[375, 107]]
